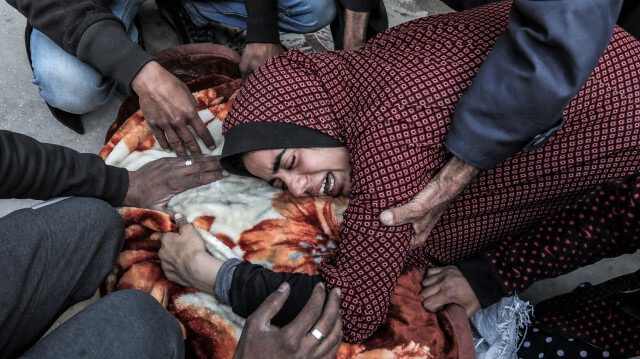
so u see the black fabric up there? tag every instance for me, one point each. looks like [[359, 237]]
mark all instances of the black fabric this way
[[483, 279], [540, 343], [30, 169], [378, 20], [252, 284], [629, 18], [255, 136], [52, 257], [262, 21], [65, 21], [125, 59], [106, 47], [530, 76]]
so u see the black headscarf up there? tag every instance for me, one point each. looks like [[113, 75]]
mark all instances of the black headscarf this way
[[253, 136]]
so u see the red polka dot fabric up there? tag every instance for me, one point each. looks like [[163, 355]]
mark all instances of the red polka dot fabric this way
[[603, 224], [391, 102], [606, 315]]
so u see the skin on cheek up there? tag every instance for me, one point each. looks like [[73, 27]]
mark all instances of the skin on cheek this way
[[304, 171]]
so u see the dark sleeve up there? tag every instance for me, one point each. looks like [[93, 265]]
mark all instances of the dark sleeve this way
[[530, 76], [360, 5], [30, 169], [483, 279], [90, 31], [601, 224], [252, 284], [262, 21]]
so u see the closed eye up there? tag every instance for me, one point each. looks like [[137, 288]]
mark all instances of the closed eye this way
[[293, 162]]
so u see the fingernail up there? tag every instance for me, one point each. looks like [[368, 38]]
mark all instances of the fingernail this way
[[283, 287], [225, 173], [386, 218], [322, 285], [212, 147], [167, 151], [179, 216], [339, 292]]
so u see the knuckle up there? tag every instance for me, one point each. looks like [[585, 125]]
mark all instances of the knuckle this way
[[176, 121]]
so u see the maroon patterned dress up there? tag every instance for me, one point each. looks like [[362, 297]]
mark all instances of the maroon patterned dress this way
[[391, 102]]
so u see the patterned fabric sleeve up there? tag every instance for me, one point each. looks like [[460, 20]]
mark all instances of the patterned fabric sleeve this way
[[366, 266], [602, 224]]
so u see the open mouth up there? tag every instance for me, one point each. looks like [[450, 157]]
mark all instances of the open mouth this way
[[327, 185]]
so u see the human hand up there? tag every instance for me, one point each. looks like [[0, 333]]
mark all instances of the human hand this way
[[424, 210], [257, 53], [155, 183], [446, 285], [169, 107], [261, 340], [185, 260], [355, 29]]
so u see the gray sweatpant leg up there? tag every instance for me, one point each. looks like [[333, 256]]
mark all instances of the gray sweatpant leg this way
[[52, 257]]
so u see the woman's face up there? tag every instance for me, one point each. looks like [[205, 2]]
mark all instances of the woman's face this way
[[303, 171]]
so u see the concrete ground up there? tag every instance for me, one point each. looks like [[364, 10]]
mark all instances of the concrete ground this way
[[23, 111]]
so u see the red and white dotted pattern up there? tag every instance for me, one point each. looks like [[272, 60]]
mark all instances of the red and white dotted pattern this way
[[603, 224], [391, 103]]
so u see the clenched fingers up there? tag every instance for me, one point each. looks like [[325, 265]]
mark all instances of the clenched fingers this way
[[330, 324], [309, 314], [261, 317]]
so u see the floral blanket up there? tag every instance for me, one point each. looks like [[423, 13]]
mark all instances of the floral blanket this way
[[246, 218]]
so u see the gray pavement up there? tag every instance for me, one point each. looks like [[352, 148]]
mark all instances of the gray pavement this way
[[23, 110]]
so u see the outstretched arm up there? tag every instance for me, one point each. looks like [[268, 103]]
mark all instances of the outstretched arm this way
[[263, 38], [30, 169], [517, 98], [533, 71]]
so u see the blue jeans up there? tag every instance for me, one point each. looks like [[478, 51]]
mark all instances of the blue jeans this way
[[68, 83], [298, 16], [57, 254], [74, 86]]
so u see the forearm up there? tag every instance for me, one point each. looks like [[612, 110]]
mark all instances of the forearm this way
[[107, 47], [355, 29], [531, 74], [451, 180], [30, 169], [251, 284], [90, 31], [262, 21], [64, 22]]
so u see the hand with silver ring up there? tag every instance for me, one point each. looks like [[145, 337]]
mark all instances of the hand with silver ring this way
[[303, 337], [154, 184], [317, 334]]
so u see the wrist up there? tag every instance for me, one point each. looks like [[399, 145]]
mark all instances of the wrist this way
[[129, 199], [204, 268], [143, 81], [355, 28], [457, 175]]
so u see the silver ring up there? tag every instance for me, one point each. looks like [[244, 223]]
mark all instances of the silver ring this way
[[188, 163], [317, 334]]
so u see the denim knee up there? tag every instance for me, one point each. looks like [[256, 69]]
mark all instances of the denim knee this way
[[77, 93], [320, 13]]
